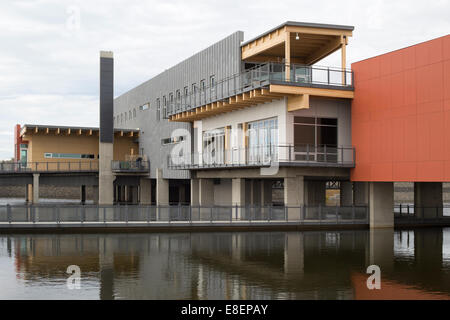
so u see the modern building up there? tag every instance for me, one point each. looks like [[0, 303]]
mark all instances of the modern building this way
[[227, 125]]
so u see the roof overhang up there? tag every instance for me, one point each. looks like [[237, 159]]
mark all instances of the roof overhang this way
[[315, 42]]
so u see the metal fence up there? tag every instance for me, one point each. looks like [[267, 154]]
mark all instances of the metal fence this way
[[258, 77], [85, 214], [130, 166], [48, 166], [413, 213], [266, 155]]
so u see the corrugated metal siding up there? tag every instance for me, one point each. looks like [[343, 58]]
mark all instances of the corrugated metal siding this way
[[222, 60]]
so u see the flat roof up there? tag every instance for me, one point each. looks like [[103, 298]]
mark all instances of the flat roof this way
[[302, 24], [41, 126]]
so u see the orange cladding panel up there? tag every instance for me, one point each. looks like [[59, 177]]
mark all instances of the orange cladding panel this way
[[401, 114]]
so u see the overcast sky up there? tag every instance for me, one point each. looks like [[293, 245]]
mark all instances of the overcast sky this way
[[49, 57]]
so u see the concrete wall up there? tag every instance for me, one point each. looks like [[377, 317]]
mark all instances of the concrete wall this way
[[48, 192], [222, 59]]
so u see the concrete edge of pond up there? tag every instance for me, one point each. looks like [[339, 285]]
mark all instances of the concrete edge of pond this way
[[172, 227]]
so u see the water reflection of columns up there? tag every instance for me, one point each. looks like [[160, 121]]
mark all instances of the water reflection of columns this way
[[236, 247], [294, 253], [381, 248], [106, 262], [428, 249]]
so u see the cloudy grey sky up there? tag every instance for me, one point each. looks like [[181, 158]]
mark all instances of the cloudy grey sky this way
[[49, 57]]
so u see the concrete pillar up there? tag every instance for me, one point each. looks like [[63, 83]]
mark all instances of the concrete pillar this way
[[206, 192], [29, 193], [106, 139], [315, 192], [83, 194], [381, 204], [195, 192], [35, 188], [95, 194], [162, 189], [105, 176], [361, 193], [294, 196], [266, 191], [428, 199], [145, 191], [346, 194], [238, 196]]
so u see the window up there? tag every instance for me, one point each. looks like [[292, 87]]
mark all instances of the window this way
[[178, 95], [134, 113], [214, 146], [212, 81], [145, 106], [186, 91], [315, 138], [263, 139], [129, 115], [164, 107], [121, 118], [158, 109], [68, 156], [170, 102], [125, 116], [202, 85], [194, 88], [172, 140]]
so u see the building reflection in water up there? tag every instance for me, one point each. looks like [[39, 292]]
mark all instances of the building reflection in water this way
[[253, 265]]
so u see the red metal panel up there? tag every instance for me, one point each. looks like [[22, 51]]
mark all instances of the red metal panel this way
[[401, 114]]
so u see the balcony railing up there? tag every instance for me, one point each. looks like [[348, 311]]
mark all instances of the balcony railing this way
[[136, 166], [266, 156], [49, 166], [262, 76]]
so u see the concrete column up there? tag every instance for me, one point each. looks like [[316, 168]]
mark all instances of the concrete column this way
[[294, 196], [346, 194], [428, 199], [315, 192], [35, 188], [361, 193], [83, 194], [105, 176], [238, 195], [162, 189], [95, 193], [145, 190], [206, 192], [381, 204], [195, 192], [29, 193], [266, 192]]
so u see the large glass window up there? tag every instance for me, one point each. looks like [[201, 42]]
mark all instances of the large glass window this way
[[315, 138], [158, 109], [214, 146], [50, 155], [263, 140]]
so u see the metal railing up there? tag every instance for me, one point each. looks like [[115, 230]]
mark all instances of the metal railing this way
[[130, 166], [262, 76], [407, 212], [287, 155], [85, 214], [49, 166]]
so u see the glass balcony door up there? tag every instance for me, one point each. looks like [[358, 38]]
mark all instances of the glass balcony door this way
[[214, 146]]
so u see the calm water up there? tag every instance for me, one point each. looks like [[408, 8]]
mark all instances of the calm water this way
[[253, 265]]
